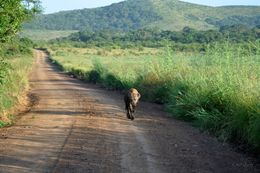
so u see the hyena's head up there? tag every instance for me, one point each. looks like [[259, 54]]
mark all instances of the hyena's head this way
[[135, 96]]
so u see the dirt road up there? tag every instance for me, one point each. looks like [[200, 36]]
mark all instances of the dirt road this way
[[77, 127]]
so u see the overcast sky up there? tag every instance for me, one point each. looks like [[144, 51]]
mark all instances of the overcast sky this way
[[51, 6]]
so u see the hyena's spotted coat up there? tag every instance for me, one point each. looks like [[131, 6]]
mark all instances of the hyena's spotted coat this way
[[131, 99]]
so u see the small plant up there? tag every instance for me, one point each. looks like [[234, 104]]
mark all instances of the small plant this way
[[4, 66], [4, 124]]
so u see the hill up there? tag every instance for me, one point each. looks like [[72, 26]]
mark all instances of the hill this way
[[135, 14]]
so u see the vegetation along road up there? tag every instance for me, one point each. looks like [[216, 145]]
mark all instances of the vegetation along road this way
[[79, 127]]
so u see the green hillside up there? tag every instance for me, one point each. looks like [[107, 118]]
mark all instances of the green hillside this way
[[135, 14]]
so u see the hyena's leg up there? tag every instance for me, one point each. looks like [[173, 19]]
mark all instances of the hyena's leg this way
[[127, 109], [132, 116], [131, 110], [128, 112]]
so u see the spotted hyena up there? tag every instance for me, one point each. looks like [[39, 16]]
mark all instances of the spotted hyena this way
[[131, 99]]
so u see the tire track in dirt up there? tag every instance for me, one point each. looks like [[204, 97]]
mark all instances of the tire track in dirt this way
[[79, 127]]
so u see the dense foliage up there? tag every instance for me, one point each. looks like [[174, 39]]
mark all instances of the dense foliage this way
[[136, 14], [13, 14]]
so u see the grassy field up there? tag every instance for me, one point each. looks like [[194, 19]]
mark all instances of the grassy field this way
[[218, 91], [84, 59], [14, 71], [45, 35]]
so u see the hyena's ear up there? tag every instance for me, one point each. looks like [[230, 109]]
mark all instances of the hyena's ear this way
[[139, 95]]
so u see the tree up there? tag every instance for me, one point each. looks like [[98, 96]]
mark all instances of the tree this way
[[12, 15]]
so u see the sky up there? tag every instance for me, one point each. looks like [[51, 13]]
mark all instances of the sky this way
[[51, 6]]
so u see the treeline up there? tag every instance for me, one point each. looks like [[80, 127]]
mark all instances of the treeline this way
[[188, 38]]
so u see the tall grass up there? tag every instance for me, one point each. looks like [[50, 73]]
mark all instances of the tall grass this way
[[14, 69], [218, 91]]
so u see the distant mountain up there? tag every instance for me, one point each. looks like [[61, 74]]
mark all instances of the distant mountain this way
[[162, 14]]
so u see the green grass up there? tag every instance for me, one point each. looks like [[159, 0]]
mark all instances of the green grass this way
[[85, 59], [218, 91], [45, 35], [13, 83]]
